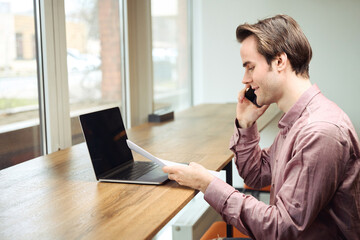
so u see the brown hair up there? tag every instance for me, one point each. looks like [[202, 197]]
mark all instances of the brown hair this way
[[280, 34]]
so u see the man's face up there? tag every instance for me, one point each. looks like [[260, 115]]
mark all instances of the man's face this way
[[258, 74]]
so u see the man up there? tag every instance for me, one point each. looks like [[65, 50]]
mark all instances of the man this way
[[313, 166]]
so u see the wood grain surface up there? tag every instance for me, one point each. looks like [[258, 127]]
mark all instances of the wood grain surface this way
[[57, 196]]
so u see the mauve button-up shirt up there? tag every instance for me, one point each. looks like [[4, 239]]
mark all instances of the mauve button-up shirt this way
[[313, 168]]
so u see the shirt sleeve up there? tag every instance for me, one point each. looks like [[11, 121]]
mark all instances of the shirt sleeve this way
[[253, 164], [312, 176]]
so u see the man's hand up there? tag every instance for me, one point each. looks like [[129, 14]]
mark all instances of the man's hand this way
[[194, 175], [246, 112]]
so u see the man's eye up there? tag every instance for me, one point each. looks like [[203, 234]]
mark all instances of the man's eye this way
[[251, 68]]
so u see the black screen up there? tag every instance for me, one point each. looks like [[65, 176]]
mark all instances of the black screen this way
[[106, 140]]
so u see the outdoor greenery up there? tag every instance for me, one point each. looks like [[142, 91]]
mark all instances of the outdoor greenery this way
[[6, 103]]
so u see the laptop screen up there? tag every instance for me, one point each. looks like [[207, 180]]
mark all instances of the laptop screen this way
[[105, 136]]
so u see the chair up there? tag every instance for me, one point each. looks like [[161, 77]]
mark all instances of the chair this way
[[218, 229]]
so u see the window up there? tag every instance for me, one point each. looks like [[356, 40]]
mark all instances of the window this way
[[171, 54], [93, 58], [19, 114], [45, 80]]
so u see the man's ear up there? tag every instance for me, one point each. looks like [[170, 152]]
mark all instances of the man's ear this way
[[281, 61]]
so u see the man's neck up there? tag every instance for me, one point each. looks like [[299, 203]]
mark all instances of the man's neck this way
[[294, 87]]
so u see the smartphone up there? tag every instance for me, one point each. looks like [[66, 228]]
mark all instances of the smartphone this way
[[250, 95]]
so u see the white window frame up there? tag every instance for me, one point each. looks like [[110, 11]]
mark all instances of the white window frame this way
[[139, 79], [53, 80]]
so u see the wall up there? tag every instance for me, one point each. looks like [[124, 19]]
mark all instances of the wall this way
[[331, 27]]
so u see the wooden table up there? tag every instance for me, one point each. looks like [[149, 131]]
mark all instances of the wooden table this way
[[57, 196]]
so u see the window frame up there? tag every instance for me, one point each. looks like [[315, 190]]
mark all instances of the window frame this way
[[52, 73]]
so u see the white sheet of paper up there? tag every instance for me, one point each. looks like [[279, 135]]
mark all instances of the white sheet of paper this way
[[144, 153], [157, 160]]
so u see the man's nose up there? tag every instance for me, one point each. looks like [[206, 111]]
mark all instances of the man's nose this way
[[246, 79]]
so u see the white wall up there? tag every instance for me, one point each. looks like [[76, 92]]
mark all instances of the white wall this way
[[331, 26]]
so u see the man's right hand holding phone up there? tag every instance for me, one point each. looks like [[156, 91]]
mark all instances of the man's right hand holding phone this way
[[246, 111]]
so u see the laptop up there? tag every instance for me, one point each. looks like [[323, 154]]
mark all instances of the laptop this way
[[110, 155]]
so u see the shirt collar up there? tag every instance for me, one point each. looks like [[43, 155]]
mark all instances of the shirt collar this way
[[288, 119]]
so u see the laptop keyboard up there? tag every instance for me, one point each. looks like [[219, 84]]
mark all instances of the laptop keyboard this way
[[136, 170]]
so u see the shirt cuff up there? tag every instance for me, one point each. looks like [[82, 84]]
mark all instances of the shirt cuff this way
[[241, 135], [217, 193]]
